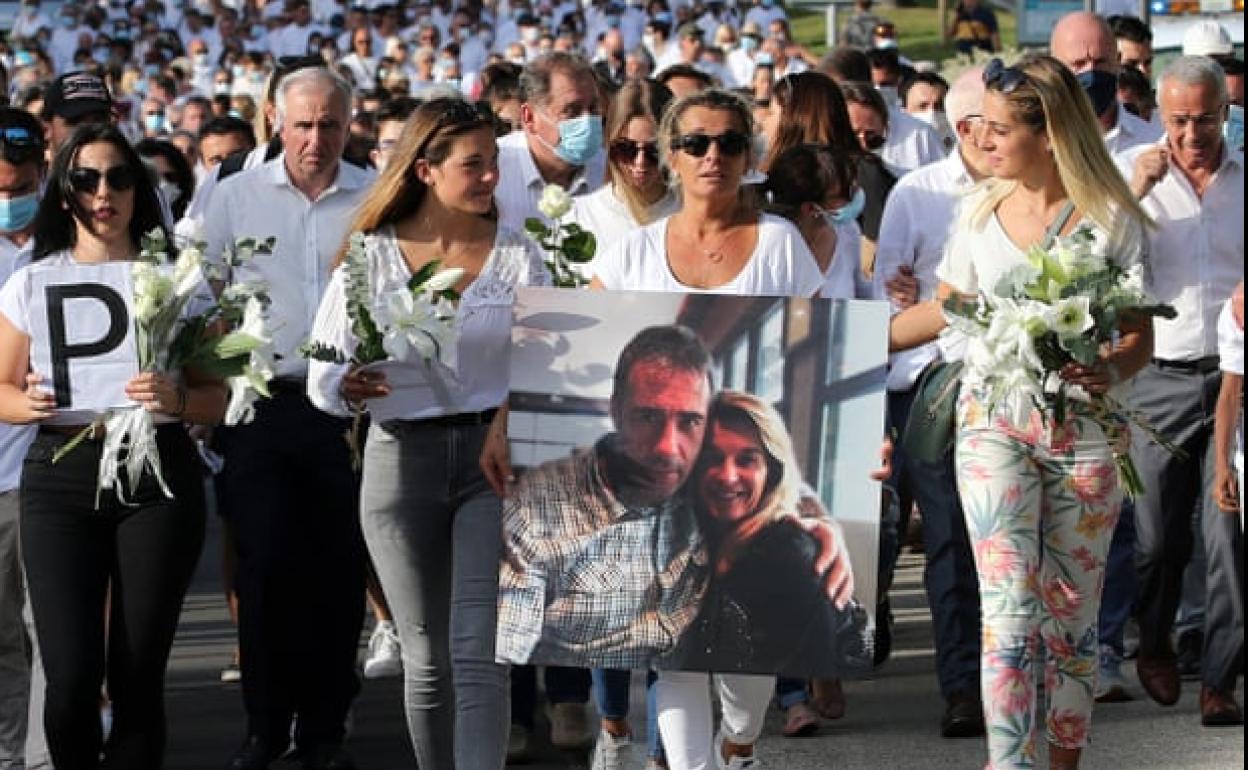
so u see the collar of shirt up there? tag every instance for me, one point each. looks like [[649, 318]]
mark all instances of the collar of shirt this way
[[348, 177], [583, 182]]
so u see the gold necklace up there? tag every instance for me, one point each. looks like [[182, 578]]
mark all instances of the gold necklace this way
[[716, 255]]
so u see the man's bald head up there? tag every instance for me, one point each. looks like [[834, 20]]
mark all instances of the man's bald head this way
[[1083, 41]]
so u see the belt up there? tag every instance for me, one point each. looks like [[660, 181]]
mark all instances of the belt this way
[[1198, 366], [459, 419]]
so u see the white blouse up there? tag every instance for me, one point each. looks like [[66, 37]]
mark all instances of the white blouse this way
[[781, 265], [480, 377]]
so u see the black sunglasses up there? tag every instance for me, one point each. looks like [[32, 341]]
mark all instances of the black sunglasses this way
[[1001, 78], [625, 151], [730, 143], [87, 180]]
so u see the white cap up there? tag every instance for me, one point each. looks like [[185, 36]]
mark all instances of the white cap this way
[[1207, 38]]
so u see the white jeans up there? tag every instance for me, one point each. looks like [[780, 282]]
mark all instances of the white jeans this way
[[683, 700]]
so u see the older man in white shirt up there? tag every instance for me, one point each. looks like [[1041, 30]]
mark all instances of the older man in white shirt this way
[[288, 489], [1193, 187], [560, 141], [918, 217]]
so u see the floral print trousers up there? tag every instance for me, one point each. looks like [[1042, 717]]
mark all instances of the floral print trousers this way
[[1041, 502]]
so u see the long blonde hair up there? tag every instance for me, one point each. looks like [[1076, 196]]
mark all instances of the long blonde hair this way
[[1050, 100], [637, 99], [428, 134]]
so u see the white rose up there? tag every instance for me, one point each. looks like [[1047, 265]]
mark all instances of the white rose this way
[[555, 202]]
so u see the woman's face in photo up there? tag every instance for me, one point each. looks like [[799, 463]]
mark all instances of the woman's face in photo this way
[[108, 204], [732, 472], [1011, 147], [466, 179], [635, 153]]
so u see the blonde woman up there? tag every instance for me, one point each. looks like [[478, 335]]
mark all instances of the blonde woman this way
[[436, 546], [1041, 498]]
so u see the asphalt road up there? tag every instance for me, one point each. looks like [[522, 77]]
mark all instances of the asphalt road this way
[[891, 719]]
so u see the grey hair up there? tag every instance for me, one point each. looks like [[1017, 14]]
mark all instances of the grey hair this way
[[319, 76], [536, 75], [1195, 71]]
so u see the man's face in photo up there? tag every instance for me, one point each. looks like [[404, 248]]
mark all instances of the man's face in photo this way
[[660, 422]]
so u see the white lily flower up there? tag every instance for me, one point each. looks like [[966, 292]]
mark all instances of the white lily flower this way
[[445, 279], [1072, 316]]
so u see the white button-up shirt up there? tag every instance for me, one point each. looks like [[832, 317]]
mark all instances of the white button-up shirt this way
[[1131, 131], [919, 216], [1196, 253], [911, 144], [520, 183], [263, 202]]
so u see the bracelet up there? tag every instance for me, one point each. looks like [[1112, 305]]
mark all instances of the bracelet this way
[[182, 397]]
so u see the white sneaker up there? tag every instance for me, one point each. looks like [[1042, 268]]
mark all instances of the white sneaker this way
[[733, 763], [569, 728], [384, 653], [612, 752]]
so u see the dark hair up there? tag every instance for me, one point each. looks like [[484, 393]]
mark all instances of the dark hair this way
[[30, 153], [226, 125], [1130, 28], [814, 113], [806, 174], [866, 95], [846, 63], [886, 59], [676, 346], [400, 108], [183, 176], [684, 71], [500, 80], [1135, 82], [59, 212], [1230, 65], [926, 78]]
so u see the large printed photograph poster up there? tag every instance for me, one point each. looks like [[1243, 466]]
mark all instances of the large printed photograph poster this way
[[694, 483]]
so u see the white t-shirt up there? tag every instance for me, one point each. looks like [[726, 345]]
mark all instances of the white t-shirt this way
[[839, 280], [608, 217], [480, 377], [781, 265]]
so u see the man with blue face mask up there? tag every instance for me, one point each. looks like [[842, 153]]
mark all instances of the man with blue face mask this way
[[560, 142], [21, 687]]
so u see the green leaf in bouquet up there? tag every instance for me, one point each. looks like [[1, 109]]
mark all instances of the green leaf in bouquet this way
[[223, 368], [319, 351], [955, 304], [579, 247], [535, 226], [571, 228], [1082, 349], [234, 344], [422, 276]]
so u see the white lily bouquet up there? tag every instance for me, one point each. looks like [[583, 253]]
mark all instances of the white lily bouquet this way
[[414, 322], [174, 315], [1062, 306], [567, 243]]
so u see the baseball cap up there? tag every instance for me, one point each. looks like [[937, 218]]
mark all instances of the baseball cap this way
[[75, 94], [1207, 38]]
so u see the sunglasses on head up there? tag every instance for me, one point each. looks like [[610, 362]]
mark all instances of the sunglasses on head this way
[[87, 180], [626, 151], [1001, 78], [730, 143]]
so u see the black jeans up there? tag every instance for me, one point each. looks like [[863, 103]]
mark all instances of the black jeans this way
[[137, 558], [292, 501]]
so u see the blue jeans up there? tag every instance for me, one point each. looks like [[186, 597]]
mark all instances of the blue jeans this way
[[612, 688], [432, 525]]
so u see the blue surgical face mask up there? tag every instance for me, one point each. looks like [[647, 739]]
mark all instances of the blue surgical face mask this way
[[749, 43], [155, 122], [1233, 128], [847, 213], [17, 213], [580, 139]]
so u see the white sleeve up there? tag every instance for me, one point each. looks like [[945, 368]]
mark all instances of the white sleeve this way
[[608, 267], [895, 246], [217, 232], [1230, 342], [15, 301], [957, 268], [332, 327], [806, 278]]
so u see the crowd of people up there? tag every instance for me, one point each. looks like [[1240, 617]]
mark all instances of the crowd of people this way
[[709, 152]]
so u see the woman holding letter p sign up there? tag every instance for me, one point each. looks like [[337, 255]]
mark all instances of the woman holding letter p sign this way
[[76, 541]]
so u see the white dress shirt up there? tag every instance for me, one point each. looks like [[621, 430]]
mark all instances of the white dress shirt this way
[[919, 217], [1196, 253], [520, 183], [263, 202], [14, 439], [479, 378], [1131, 131], [911, 144]]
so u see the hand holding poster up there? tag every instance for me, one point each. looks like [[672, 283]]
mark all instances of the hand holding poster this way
[[669, 516]]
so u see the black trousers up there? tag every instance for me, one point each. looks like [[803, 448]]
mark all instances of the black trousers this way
[[138, 558], [292, 501]]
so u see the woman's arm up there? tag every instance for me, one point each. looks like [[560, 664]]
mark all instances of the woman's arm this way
[[199, 399], [920, 323], [1128, 357], [496, 455], [22, 398], [1226, 418]]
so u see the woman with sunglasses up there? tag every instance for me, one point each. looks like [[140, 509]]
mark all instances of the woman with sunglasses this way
[[436, 546], [1041, 498], [718, 242], [80, 545]]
